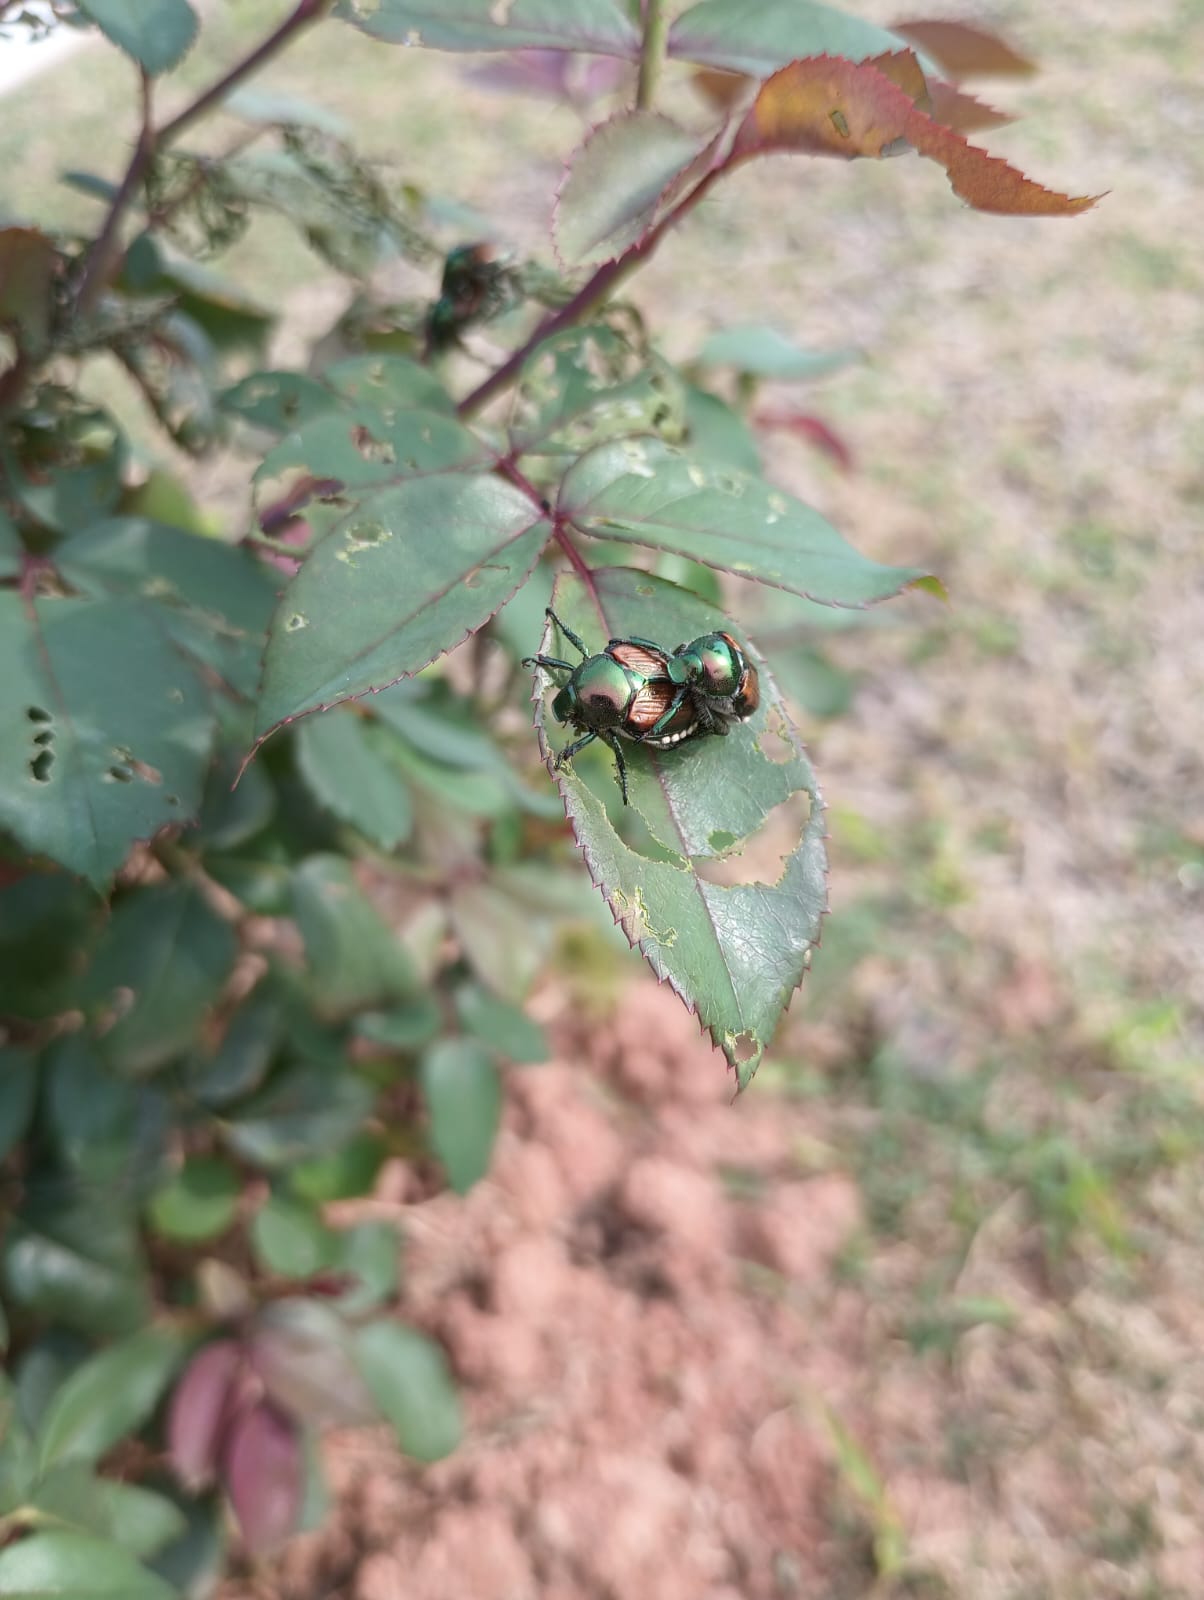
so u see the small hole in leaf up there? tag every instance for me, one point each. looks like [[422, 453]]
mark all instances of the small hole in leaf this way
[[295, 622], [119, 775], [45, 738], [36, 714], [745, 1046], [172, 799], [40, 766]]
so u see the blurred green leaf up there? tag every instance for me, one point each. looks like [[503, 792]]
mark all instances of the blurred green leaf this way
[[277, 401], [764, 352], [64, 462], [137, 1519], [107, 1131], [302, 1107], [194, 1561], [503, 1028], [731, 35], [353, 958], [501, 943], [166, 945], [733, 943], [349, 776], [110, 1396], [464, 1098], [342, 1174], [64, 1259], [198, 1203], [597, 25], [75, 1566], [408, 1379], [369, 1253], [18, 1090], [646, 492], [302, 1350], [241, 1061], [405, 1027], [157, 33], [716, 432], [27, 267], [104, 730], [290, 1238], [45, 919]]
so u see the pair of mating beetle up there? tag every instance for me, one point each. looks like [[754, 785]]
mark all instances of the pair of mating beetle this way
[[636, 689]]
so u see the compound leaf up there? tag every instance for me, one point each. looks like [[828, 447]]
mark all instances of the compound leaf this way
[[733, 951], [645, 492]]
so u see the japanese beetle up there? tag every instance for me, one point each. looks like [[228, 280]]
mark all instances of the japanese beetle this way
[[636, 689]]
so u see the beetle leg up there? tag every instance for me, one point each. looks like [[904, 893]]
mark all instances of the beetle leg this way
[[568, 632], [548, 661], [620, 763], [666, 717], [570, 750], [710, 719]]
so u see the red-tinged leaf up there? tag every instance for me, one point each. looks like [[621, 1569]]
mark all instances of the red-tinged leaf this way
[[721, 90], [811, 428], [962, 112], [263, 1470], [828, 106], [200, 1409], [966, 52]]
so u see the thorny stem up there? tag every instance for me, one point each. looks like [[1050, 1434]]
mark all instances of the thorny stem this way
[[603, 281], [652, 51], [100, 256]]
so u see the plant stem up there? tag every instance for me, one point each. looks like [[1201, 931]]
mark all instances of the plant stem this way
[[652, 51], [603, 281], [100, 257], [510, 470]]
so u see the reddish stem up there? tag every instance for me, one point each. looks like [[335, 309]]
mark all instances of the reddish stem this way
[[607, 275], [510, 470]]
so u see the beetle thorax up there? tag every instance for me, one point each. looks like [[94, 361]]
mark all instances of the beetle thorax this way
[[600, 691]]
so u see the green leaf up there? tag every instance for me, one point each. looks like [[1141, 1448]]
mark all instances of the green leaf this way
[[405, 1027], [505, 1029], [759, 39], [601, 26], [241, 1061], [717, 433], [379, 385], [68, 1260], [274, 109], [174, 953], [645, 492], [104, 730], [379, 597], [344, 1174], [137, 1519], [407, 1376], [45, 919], [109, 1131], [499, 941], [215, 599], [369, 1253], [617, 183], [277, 401], [18, 1089], [347, 774], [290, 1238], [302, 1108], [193, 1563], [73, 467], [585, 385], [734, 951], [12, 549], [74, 1566], [27, 266], [464, 1097], [110, 1396], [157, 33], [763, 351], [199, 1202], [355, 961]]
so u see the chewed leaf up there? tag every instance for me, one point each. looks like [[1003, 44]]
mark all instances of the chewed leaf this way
[[617, 183], [734, 951], [829, 106], [588, 384], [644, 492]]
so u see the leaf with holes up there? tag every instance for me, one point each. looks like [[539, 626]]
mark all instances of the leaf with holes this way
[[829, 106], [758, 39], [168, 949], [412, 568], [602, 26], [104, 730], [644, 492], [618, 184], [586, 385], [725, 895], [157, 33]]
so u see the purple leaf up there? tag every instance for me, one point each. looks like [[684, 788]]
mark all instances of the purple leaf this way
[[200, 1407], [263, 1471]]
